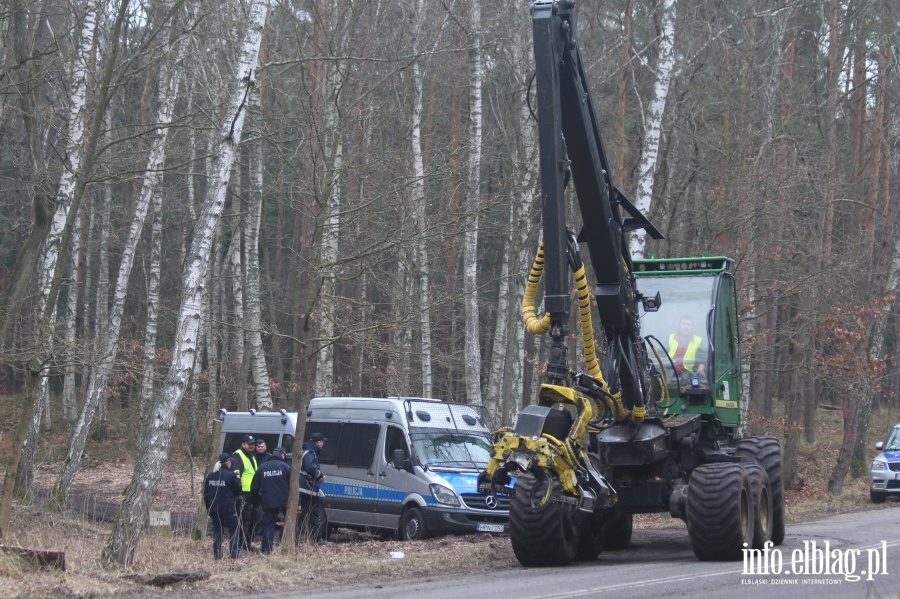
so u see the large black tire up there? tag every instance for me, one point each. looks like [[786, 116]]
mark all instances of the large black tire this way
[[590, 542], [767, 451], [877, 497], [762, 504], [543, 533], [412, 525], [720, 511], [617, 532]]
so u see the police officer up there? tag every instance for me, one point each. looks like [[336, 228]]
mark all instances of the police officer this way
[[262, 456], [244, 464], [221, 491], [270, 491], [312, 511]]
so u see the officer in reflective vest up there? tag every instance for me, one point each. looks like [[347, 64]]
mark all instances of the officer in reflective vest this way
[[683, 346], [244, 464]]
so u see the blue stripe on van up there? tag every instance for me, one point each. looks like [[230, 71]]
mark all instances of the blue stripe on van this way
[[337, 490]]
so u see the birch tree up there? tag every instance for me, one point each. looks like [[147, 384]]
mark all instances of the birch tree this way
[[254, 310], [646, 175], [48, 269], [133, 513], [473, 206], [418, 201], [108, 337]]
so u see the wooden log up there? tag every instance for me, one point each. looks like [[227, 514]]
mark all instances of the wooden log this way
[[42, 558]]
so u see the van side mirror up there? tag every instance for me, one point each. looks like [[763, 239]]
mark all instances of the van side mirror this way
[[399, 460], [879, 446]]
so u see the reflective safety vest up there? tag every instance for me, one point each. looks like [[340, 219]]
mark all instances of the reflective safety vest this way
[[690, 353], [248, 471]]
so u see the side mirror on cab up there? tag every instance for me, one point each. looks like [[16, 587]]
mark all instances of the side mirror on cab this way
[[399, 460]]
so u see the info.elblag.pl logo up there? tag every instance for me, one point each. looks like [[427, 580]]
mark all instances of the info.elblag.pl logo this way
[[815, 560]]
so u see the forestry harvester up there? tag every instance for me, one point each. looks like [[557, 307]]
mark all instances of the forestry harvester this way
[[643, 432]]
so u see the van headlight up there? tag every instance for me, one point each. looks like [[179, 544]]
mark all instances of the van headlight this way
[[443, 495], [878, 465]]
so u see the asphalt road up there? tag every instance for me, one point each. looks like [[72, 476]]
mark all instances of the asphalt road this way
[[863, 560]]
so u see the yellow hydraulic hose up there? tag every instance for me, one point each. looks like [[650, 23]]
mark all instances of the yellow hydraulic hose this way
[[587, 327], [534, 325]]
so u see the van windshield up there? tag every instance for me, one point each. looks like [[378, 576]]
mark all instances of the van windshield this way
[[445, 448]]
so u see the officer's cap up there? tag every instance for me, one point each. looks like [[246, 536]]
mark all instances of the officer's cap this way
[[249, 439], [318, 437], [224, 457]]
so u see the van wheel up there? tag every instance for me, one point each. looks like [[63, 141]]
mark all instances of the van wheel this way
[[412, 525]]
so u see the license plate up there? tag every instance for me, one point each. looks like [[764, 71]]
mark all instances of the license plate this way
[[489, 527]]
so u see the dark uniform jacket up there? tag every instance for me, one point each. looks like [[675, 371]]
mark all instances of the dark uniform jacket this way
[[262, 458], [309, 468], [271, 484], [310, 461], [221, 490]]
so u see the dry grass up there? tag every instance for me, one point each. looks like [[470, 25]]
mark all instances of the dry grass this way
[[338, 564], [107, 470]]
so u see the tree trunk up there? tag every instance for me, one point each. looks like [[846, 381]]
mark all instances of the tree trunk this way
[[653, 127], [101, 306], [63, 222], [135, 507], [108, 335], [254, 312], [419, 204], [473, 207], [148, 380]]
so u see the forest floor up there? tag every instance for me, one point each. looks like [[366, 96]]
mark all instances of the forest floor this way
[[107, 468]]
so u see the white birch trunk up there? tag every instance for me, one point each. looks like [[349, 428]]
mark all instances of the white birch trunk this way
[[132, 516], [70, 409], [523, 231], [109, 336], [65, 198], [473, 201], [150, 331], [101, 305], [653, 127], [329, 255], [397, 376], [235, 266], [331, 217], [419, 202], [499, 345], [211, 315], [254, 312]]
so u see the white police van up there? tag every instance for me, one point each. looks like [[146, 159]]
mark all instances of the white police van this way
[[275, 428], [405, 465]]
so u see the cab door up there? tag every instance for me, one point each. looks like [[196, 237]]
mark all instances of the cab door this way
[[726, 354], [393, 484]]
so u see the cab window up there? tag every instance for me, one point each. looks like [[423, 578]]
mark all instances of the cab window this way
[[394, 438]]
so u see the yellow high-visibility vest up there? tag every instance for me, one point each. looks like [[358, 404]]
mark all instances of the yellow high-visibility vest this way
[[690, 353], [248, 471]]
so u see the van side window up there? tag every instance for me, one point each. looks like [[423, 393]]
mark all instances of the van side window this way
[[394, 439], [287, 441], [332, 432], [357, 445], [232, 442]]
